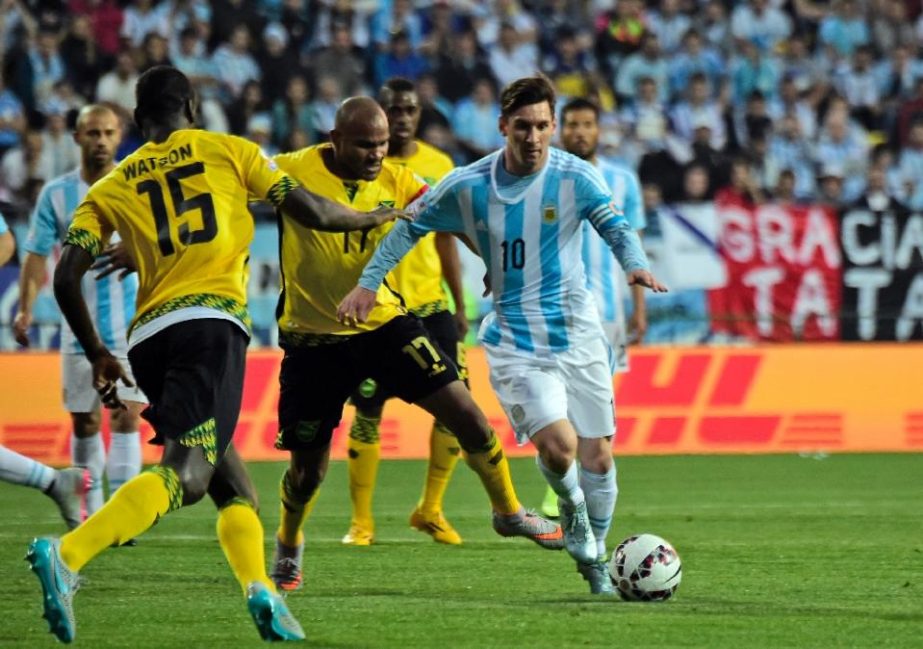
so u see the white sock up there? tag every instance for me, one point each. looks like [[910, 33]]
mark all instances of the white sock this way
[[567, 486], [601, 493], [23, 470], [124, 461], [89, 452]]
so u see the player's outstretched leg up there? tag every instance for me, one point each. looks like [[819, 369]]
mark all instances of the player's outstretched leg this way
[[454, 406], [428, 516], [67, 487], [298, 492]]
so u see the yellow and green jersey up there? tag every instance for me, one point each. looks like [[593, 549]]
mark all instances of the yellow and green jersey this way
[[320, 268], [180, 208], [418, 278]]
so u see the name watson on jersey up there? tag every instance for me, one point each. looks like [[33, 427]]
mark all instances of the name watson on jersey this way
[[147, 165]]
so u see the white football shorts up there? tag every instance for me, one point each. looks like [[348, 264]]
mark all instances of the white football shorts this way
[[77, 381], [536, 391]]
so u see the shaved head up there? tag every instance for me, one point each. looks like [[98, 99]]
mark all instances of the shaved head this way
[[93, 110], [358, 111], [360, 139]]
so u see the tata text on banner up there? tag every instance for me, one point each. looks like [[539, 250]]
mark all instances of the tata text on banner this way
[[767, 399], [882, 275], [783, 268]]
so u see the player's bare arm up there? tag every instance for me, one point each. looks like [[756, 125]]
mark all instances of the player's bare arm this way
[[74, 264], [31, 277], [318, 213], [7, 247]]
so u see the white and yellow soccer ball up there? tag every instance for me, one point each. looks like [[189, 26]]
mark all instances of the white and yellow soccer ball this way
[[645, 568]]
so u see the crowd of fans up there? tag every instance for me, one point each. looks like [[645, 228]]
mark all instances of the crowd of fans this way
[[784, 100]]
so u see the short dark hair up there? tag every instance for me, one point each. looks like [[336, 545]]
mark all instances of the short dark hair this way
[[579, 104], [162, 92], [525, 92], [398, 84]]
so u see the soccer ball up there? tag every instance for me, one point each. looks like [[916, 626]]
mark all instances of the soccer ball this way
[[645, 568]]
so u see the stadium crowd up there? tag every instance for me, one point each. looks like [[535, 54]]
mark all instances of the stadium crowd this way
[[785, 100]]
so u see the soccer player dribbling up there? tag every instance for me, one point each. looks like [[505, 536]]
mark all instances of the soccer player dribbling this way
[[179, 204], [523, 207], [325, 359]]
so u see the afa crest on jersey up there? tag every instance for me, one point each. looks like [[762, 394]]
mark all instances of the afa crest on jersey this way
[[549, 214]]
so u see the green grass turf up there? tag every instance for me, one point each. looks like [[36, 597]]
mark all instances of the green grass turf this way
[[778, 551]]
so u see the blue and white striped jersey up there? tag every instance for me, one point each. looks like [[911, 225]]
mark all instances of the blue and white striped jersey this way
[[111, 302], [531, 244], [605, 281]]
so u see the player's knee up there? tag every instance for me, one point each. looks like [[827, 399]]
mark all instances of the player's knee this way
[[595, 455], [557, 452], [195, 486], [86, 424], [124, 421], [305, 479]]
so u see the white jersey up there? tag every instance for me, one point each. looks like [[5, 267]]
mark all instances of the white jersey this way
[[531, 243], [111, 302]]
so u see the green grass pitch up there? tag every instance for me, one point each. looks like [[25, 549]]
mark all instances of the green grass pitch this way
[[778, 551]]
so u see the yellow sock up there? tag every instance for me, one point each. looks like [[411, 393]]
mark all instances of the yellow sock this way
[[364, 452], [240, 534], [294, 511], [493, 469], [134, 508], [443, 456]]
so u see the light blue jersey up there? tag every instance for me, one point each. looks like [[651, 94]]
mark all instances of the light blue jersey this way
[[531, 243], [3, 226], [604, 280], [111, 302]]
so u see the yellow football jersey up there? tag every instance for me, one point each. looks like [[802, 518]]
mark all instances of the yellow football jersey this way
[[418, 278], [180, 207], [320, 268]]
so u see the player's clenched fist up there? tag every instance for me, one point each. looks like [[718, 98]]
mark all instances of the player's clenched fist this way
[[356, 306]]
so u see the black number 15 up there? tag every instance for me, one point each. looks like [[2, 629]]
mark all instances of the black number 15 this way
[[181, 205]]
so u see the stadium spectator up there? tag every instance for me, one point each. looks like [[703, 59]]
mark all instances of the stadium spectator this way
[[234, 62], [693, 59], [249, 104], [12, 118], [227, 16], [791, 102], [457, 74], [105, 20], [670, 25], [783, 191], [878, 195], [647, 62], [278, 62], [399, 60], [58, 140], [24, 167], [292, 112], [619, 33], [790, 148], [141, 18], [154, 51], [17, 19], [440, 33], [118, 86], [696, 184], [844, 29], [831, 187], [742, 187], [342, 60], [645, 117], [46, 67], [84, 61], [753, 71], [512, 56], [353, 16], [698, 107], [324, 107], [712, 23], [297, 20], [570, 66], [397, 18], [843, 149], [759, 23], [475, 121], [891, 27], [488, 22], [434, 109]]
